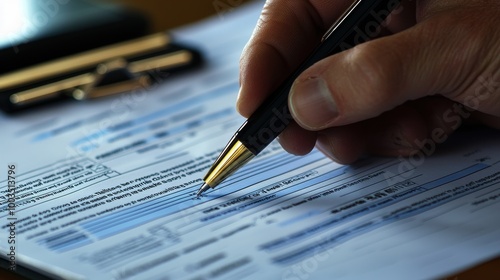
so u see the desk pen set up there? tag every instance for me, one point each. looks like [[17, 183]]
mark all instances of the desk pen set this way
[[104, 71]]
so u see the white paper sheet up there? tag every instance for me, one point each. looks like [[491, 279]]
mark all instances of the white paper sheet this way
[[105, 189]]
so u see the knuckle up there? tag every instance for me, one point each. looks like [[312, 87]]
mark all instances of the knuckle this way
[[466, 44], [472, 57], [373, 72]]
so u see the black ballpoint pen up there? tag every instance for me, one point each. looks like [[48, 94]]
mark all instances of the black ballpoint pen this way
[[358, 24]]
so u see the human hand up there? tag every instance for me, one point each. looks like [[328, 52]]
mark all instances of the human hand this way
[[436, 67]]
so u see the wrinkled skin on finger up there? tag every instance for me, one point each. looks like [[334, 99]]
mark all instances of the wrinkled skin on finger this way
[[435, 67]]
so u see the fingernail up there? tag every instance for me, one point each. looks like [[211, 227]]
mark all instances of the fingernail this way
[[239, 96], [312, 103], [238, 101]]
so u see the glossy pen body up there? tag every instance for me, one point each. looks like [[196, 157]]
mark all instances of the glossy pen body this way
[[358, 24]]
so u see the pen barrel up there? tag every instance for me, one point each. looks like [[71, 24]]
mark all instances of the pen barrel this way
[[270, 119], [360, 23]]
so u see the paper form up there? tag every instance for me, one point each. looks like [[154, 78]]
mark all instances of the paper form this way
[[105, 190]]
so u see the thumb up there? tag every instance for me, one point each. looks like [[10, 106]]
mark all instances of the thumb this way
[[450, 53]]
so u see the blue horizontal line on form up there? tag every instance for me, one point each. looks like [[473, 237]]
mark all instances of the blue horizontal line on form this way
[[162, 134], [231, 88], [182, 196], [65, 241], [225, 89], [154, 209], [354, 231], [276, 195]]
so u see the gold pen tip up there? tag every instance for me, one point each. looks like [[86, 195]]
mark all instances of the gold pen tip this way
[[202, 189]]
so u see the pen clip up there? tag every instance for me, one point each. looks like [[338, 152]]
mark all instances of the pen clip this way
[[110, 78], [97, 73], [115, 76]]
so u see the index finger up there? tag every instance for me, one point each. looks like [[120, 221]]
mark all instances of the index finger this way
[[285, 33]]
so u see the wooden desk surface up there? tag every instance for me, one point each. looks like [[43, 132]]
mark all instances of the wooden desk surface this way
[[166, 14]]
